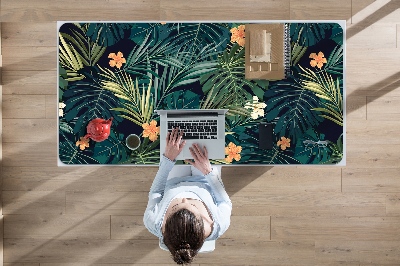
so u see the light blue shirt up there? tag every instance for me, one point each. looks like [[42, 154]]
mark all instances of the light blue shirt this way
[[209, 188]]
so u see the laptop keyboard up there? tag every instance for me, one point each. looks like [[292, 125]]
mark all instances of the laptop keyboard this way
[[196, 129]]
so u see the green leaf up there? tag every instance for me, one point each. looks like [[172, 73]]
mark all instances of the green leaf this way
[[184, 99], [291, 104], [107, 34], [69, 57], [112, 150], [334, 63], [86, 100], [69, 153], [324, 87], [137, 103], [228, 78], [309, 34]]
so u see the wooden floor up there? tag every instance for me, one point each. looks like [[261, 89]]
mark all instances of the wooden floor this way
[[281, 215]]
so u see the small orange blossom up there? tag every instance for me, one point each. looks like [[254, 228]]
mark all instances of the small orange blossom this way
[[233, 152], [318, 60], [151, 130], [83, 143], [238, 35], [117, 59], [284, 143]]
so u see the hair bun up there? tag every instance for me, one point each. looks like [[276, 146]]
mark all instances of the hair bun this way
[[183, 255], [184, 245]]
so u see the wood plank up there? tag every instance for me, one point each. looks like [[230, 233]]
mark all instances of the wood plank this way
[[383, 108], [30, 82], [374, 75], [121, 10], [328, 9], [147, 251], [30, 154], [33, 202], [21, 264], [309, 204], [29, 34], [223, 10], [52, 106], [112, 264], [24, 106], [249, 227], [13, 62], [385, 34], [51, 226], [364, 252], [368, 155], [284, 179], [29, 51], [356, 108], [357, 6], [30, 58], [393, 204], [129, 227], [107, 203], [381, 180], [335, 228], [85, 251], [40, 130], [373, 131], [397, 35], [1, 237], [78, 178], [369, 12]]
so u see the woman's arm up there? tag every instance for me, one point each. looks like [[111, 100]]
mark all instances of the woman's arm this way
[[222, 199], [223, 202], [167, 161], [156, 194]]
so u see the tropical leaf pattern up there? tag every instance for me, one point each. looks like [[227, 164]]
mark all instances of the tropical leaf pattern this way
[[126, 71]]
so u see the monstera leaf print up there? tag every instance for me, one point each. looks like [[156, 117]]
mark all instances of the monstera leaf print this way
[[313, 148], [309, 34], [112, 150], [69, 152], [87, 100], [107, 34], [229, 78], [194, 37], [291, 104]]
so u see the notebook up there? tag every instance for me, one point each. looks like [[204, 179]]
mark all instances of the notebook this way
[[267, 51], [205, 127]]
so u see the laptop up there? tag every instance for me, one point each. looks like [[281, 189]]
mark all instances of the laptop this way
[[206, 127]]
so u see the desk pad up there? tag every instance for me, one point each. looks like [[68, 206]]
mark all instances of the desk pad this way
[[112, 76]]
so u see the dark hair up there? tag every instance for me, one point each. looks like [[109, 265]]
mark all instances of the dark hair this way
[[184, 235]]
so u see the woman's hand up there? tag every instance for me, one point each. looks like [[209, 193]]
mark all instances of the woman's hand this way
[[174, 144], [200, 157]]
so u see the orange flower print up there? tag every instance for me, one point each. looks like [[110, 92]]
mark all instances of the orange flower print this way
[[284, 143], [151, 130], [117, 60], [238, 35], [233, 152], [318, 60], [83, 143]]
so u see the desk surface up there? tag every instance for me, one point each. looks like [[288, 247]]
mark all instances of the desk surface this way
[[128, 70]]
